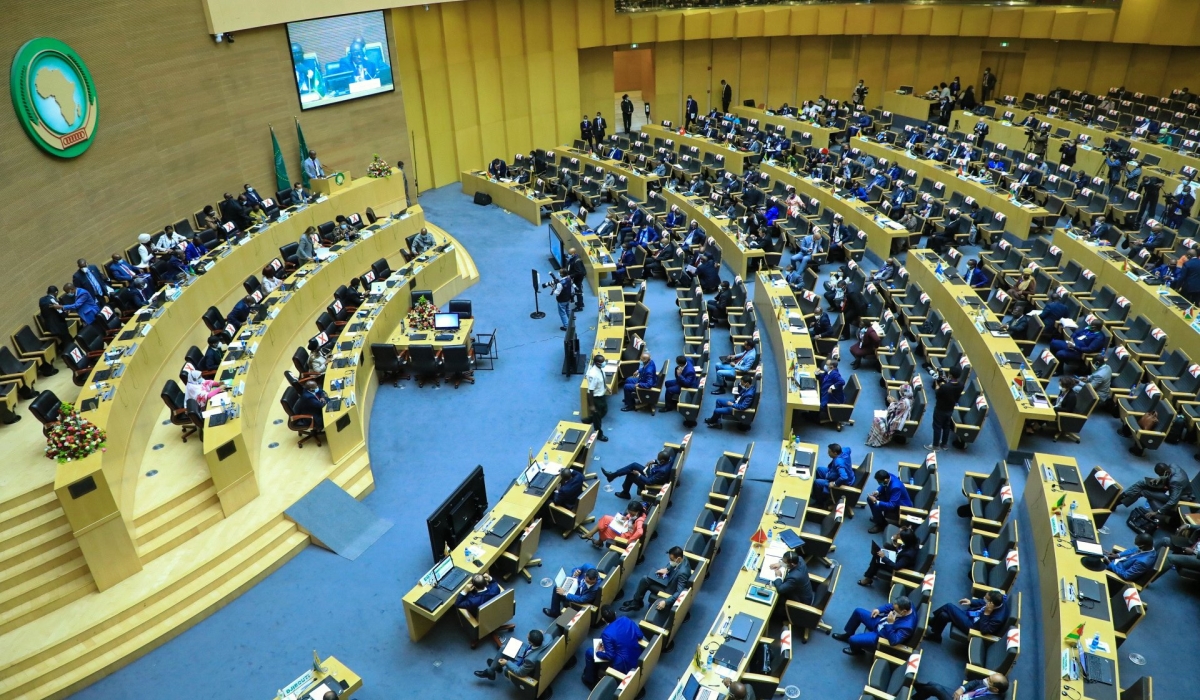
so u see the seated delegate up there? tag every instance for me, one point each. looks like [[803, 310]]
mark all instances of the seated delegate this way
[[899, 554], [569, 489], [653, 473], [619, 647], [986, 615], [791, 579], [522, 664], [587, 590], [725, 407], [685, 378], [479, 590], [645, 378], [887, 499], [994, 687], [671, 579], [839, 472], [893, 621], [628, 525]]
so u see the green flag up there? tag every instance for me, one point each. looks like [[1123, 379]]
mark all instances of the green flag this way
[[282, 181], [303, 153]]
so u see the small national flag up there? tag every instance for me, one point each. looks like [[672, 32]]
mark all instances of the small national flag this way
[[759, 537], [1076, 634], [1061, 500], [1190, 314]]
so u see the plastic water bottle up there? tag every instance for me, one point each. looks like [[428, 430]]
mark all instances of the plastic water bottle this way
[[708, 662], [770, 536], [1095, 643], [545, 456], [986, 555], [1072, 509]]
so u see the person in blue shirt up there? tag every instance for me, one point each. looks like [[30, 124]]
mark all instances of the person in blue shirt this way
[[615, 153], [1152, 240], [212, 356], [1132, 563], [619, 645], [88, 277], [685, 378], [917, 136], [894, 622], [568, 491], [587, 590], [522, 664], [675, 218], [880, 180], [646, 237], [240, 311], [887, 499], [794, 277], [987, 615], [1083, 341], [839, 472], [653, 473], [195, 249], [645, 377], [809, 246], [626, 257], [312, 402], [858, 124], [478, 591], [1162, 271], [84, 304], [1054, 311], [726, 407], [832, 384], [860, 192], [976, 277], [695, 235], [772, 213], [730, 365], [903, 195], [122, 271]]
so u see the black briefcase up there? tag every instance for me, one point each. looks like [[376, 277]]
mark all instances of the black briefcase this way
[[483, 199]]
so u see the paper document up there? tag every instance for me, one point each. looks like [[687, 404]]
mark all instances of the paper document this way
[[596, 649], [619, 525], [511, 648], [1088, 547]]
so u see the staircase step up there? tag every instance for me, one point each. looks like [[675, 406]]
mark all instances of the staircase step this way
[[17, 503], [61, 595], [41, 561], [34, 527], [147, 528], [22, 550], [42, 584], [99, 651], [14, 520], [155, 517], [198, 517]]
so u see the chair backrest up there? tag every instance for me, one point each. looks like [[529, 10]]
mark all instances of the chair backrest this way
[[46, 407], [456, 358], [462, 307], [1127, 608], [386, 357], [173, 396]]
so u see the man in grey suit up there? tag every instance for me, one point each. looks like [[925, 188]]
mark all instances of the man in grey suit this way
[[669, 579], [523, 664], [793, 583]]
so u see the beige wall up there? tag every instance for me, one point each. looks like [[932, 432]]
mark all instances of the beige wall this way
[[634, 70], [182, 119]]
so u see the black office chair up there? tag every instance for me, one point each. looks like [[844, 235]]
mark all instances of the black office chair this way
[[325, 229], [371, 218], [12, 369], [78, 362], [485, 348], [214, 320], [176, 402], [47, 409], [417, 294], [456, 361], [426, 364], [388, 363], [251, 284], [303, 424], [462, 307], [383, 271]]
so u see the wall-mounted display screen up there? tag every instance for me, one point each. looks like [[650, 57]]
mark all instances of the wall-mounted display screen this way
[[340, 58]]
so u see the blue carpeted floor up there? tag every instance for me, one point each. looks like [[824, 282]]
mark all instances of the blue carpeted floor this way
[[423, 441]]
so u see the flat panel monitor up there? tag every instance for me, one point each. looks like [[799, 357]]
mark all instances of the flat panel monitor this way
[[454, 518], [340, 58], [445, 322]]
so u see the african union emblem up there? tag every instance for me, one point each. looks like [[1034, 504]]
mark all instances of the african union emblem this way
[[54, 96]]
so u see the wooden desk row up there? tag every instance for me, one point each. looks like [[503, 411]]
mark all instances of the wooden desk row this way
[[882, 233], [735, 160], [785, 484], [638, 182], [377, 321], [911, 106], [610, 342], [723, 230], [1146, 299], [980, 346], [515, 503], [519, 199], [1057, 562], [1019, 217], [790, 343], [597, 259], [822, 136], [329, 674]]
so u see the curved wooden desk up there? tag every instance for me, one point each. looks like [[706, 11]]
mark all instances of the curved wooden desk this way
[[638, 182], [610, 342], [794, 355], [735, 160], [822, 136], [596, 257], [720, 227]]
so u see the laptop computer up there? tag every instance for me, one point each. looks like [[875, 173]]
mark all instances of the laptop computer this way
[[1067, 474], [448, 576], [433, 599], [692, 690], [612, 344], [729, 656], [1089, 589], [741, 626], [1096, 669], [571, 437], [1081, 529], [504, 525]]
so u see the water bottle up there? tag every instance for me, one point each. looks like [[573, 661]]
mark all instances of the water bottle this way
[[770, 536], [1095, 643], [545, 456], [986, 555], [1072, 510], [708, 662]]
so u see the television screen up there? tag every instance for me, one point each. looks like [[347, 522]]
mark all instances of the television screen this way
[[340, 58], [556, 249]]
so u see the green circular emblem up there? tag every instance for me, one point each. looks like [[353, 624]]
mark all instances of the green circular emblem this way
[[339, 178], [54, 97]]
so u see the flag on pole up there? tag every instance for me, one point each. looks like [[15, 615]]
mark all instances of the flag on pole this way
[[1061, 501], [282, 181], [1075, 634], [758, 537], [303, 153]]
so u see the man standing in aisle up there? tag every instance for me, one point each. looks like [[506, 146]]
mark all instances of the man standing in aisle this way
[[598, 392], [573, 268], [988, 83], [627, 113], [726, 96], [690, 111], [599, 126], [563, 292]]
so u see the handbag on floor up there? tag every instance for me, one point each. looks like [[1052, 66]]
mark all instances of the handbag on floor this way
[[1139, 521]]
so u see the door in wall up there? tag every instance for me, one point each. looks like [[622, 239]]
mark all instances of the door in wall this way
[[1007, 65], [633, 75]]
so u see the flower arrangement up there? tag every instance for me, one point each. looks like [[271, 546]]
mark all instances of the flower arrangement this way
[[378, 167], [420, 317], [73, 437]]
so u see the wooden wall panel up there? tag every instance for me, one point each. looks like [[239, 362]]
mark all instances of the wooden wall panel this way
[[753, 84], [777, 21], [1036, 23], [946, 21], [596, 84], [750, 22], [590, 23], [618, 26], [1148, 69], [1073, 63], [841, 73], [814, 57], [723, 23], [697, 57], [805, 21], [1109, 64], [781, 72], [965, 56], [872, 65], [668, 83], [902, 63], [1038, 73], [933, 63], [832, 20], [888, 19], [916, 21], [860, 19], [976, 21]]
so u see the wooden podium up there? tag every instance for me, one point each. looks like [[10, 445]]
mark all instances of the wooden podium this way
[[91, 508], [335, 182]]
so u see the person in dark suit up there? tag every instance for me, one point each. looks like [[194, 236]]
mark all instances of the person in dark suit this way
[[54, 321], [587, 590], [299, 195], [899, 554], [646, 376], [573, 268], [212, 356], [585, 130], [252, 195], [357, 64], [670, 579], [240, 311], [523, 664], [312, 402], [709, 277], [987, 615], [90, 278], [122, 271], [685, 378], [893, 621], [726, 407], [478, 591], [887, 499], [792, 582], [726, 96], [691, 109], [627, 113], [233, 212], [599, 126], [994, 687], [498, 168], [653, 473], [569, 490]]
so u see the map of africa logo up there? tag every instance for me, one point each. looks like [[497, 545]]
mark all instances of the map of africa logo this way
[[54, 97]]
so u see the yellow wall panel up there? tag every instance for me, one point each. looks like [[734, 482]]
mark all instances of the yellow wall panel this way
[[727, 66], [841, 73], [696, 26], [590, 22], [965, 56], [754, 69], [888, 19], [643, 28], [814, 60], [902, 63], [777, 22], [1006, 22], [668, 83], [564, 30], [1175, 22], [781, 71], [1148, 70], [723, 23], [1072, 64], [1136, 23], [1038, 73], [1109, 63], [946, 21], [872, 65], [1185, 61], [860, 19], [1068, 25], [933, 63], [618, 28], [596, 82], [804, 20], [976, 21], [670, 26], [916, 20], [1037, 23], [749, 22], [833, 20], [697, 57], [1098, 26]]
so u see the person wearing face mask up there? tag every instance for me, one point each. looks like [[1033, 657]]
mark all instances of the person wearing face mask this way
[[312, 402], [899, 554], [986, 615]]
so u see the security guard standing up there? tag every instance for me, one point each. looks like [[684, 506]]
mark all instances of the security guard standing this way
[[627, 113], [598, 392]]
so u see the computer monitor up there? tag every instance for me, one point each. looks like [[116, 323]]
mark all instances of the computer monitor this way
[[453, 519], [445, 322]]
